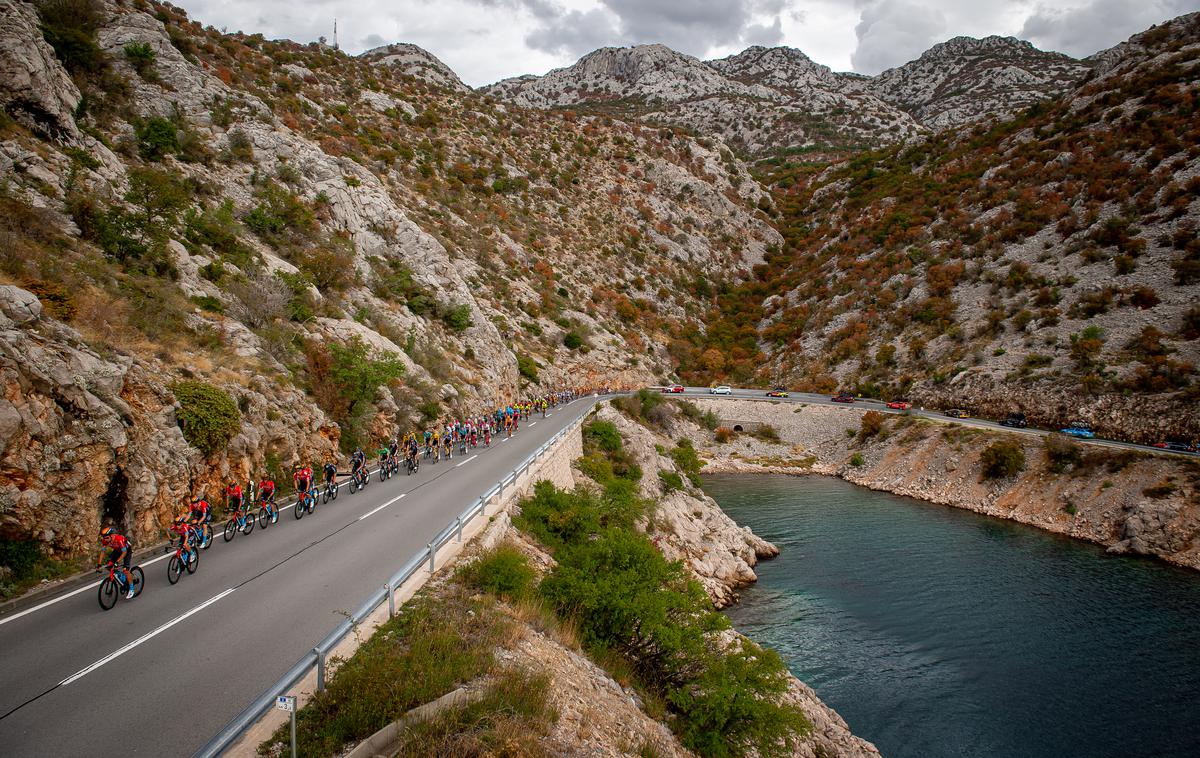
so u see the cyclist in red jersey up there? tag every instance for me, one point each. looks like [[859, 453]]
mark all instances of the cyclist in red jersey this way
[[233, 495], [201, 512], [266, 489], [120, 553]]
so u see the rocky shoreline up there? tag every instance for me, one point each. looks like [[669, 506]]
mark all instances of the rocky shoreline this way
[[1129, 502]]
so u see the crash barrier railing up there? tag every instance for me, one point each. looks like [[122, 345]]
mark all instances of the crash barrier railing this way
[[426, 557]]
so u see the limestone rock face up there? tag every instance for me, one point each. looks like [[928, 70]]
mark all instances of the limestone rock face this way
[[86, 439], [416, 62], [34, 88]]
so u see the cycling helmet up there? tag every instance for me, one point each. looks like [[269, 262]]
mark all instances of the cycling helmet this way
[[106, 532], [181, 518]]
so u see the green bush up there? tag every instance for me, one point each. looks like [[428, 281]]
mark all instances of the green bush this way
[[70, 26], [157, 138], [767, 432], [603, 435], [141, 56], [527, 367], [505, 572], [572, 340], [358, 376], [1002, 459], [687, 460], [670, 480], [458, 318], [207, 415], [857, 460]]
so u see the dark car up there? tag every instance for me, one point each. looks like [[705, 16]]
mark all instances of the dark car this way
[[1015, 420], [842, 397], [1176, 446]]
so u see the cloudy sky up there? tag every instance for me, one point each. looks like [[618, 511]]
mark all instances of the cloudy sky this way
[[487, 40]]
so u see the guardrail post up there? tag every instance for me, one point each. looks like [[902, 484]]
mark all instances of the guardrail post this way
[[432, 553], [320, 669], [391, 592], [460, 527]]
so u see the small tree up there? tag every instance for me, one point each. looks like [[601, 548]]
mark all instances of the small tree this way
[[1003, 459], [872, 424], [357, 376], [141, 56]]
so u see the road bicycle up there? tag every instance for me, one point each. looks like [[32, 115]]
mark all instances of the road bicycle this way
[[306, 502], [185, 557], [413, 463], [359, 479], [267, 512], [203, 535], [330, 493], [385, 470], [113, 586], [239, 521]]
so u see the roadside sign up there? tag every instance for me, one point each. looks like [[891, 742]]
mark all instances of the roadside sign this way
[[285, 703]]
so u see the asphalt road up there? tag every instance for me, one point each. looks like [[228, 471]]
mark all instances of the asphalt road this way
[[159, 675], [879, 405]]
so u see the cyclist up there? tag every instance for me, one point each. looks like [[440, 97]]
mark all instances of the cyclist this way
[[428, 437], [412, 454], [392, 448], [184, 532], [358, 459], [448, 445], [382, 452], [233, 494], [120, 553], [302, 478], [330, 472], [266, 490], [201, 512]]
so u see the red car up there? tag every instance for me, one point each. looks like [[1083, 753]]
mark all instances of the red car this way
[[677, 388], [900, 405], [842, 398]]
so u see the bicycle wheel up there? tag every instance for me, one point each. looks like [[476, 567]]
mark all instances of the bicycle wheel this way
[[174, 569], [248, 525], [264, 518], [108, 593], [299, 509], [231, 527], [206, 537], [138, 578], [382, 473], [335, 491], [194, 563], [325, 495]]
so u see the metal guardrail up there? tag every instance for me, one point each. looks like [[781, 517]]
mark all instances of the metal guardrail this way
[[316, 658]]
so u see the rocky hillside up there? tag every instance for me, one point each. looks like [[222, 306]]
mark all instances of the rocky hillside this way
[[965, 80], [410, 60], [228, 255], [1048, 264], [764, 100], [758, 101]]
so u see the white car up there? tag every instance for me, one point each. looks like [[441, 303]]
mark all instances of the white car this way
[[721, 390]]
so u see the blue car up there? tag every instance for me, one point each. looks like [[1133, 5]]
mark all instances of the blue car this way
[[1080, 430]]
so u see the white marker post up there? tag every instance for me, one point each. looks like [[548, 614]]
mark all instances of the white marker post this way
[[288, 703]]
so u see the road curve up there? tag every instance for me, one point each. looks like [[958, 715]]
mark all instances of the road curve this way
[[159, 675], [807, 398]]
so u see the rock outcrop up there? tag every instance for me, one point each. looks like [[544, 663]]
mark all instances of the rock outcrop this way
[[34, 88]]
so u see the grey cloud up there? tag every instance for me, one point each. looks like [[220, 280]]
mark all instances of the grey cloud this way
[[690, 26], [373, 40], [893, 32], [1098, 25]]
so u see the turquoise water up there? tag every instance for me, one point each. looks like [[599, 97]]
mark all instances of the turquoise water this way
[[939, 633]]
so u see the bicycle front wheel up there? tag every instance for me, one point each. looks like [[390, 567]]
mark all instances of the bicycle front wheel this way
[[299, 509], [138, 578], [231, 528], [174, 569], [335, 490], [206, 537], [264, 518], [248, 526], [108, 593], [193, 562]]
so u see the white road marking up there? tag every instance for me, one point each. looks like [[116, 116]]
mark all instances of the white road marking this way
[[473, 457], [380, 508], [149, 635], [505, 439], [534, 423]]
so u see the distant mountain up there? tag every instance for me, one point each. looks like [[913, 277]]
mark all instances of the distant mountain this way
[[759, 100], [416, 62], [968, 79], [765, 99]]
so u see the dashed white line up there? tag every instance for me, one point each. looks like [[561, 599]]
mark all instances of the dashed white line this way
[[533, 423], [473, 457], [380, 508], [149, 635], [505, 439]]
